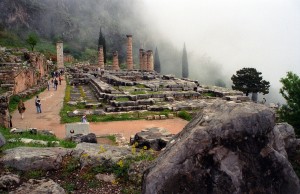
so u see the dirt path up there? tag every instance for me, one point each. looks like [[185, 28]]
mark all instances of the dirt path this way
[[52, 102]]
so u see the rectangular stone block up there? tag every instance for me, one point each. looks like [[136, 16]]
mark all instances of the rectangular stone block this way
[[77, 128]]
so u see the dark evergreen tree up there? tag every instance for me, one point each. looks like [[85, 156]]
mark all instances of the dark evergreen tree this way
[[156, 61], [249, 80], [185, 65], [101, 41]]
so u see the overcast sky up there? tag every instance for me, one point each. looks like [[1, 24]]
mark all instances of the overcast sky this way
[[264, 34]]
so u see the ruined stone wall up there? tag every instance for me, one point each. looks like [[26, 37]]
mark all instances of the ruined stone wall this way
[[4, 113], [24, 79]]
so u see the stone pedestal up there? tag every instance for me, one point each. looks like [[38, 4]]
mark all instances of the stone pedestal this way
[[115, 65], [101, 57], [77, 128], [129, 60], [60, 54]]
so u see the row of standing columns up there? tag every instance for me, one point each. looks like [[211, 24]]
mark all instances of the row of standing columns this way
[[146, 58]]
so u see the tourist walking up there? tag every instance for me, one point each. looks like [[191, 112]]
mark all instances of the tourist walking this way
[[21, 108], [48, 85], [38, 105], [59, 80], [84, 119], [55, 83]]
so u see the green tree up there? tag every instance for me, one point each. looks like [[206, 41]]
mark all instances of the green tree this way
[[101, 41], [291, 92], [185, 65], [156, 61], [220, 83], [32, 40], [249, 80]]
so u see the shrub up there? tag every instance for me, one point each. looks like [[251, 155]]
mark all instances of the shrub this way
[[185, 115]]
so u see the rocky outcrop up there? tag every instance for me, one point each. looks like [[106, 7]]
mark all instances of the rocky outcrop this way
[[39, 186], [2, 140], [88, 138], [30, 158], [226, 148], [9, 180], [152, 138], [94, 154]]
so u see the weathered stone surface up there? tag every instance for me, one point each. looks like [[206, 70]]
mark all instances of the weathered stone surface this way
[[77, 128], [2, 140], [88, 138], [9, 180], [153, 138], [136, 171], [283, 139], [109, 178], [96, 154], [224, 149], [43, 186], [31, 158]]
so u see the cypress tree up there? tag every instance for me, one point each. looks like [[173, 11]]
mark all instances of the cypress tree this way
[[156, 61], [185, 65], [101, 41]]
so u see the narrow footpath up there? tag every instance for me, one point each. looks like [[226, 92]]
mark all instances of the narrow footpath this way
[[52, 102]]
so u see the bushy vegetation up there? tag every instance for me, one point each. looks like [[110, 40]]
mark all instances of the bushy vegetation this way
[[185, 115]]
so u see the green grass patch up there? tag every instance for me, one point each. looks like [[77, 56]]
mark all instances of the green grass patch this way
[[209, 94], [82, 94], [137, 92], [140, 86], [67, 93], [34, 174], [122, 99], [3, 90], [185, 115], [6, 133]]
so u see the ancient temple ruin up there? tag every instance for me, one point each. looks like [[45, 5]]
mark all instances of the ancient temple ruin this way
[[21, 73], [129, 59], [101, 57], [115, 65], [60, 54]]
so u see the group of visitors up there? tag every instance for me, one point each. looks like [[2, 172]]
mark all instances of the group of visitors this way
[[22, 108], [56, 78]]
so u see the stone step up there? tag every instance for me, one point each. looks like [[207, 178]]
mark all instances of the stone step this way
[[6, 85]]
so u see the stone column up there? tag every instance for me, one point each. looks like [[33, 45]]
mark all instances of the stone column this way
[[144, 61], [129, 60], [60, 54], [115, 65], [101, 57], [150, 65], [141, 59]]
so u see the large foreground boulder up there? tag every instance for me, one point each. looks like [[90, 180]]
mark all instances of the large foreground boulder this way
[[32, 158], [2, 140], [226, 148], [34, 186]]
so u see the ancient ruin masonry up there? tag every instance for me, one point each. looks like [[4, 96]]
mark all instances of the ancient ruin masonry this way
[[115, 65], [129, 59], [101, 57], [60, 54]]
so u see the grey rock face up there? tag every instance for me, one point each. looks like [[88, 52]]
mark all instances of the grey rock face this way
[[152, 138], [224, 149], [96, 154], [43, 186], [89, 138], [30, 158], [2, 140], [9, 180]]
